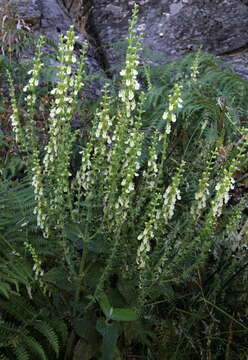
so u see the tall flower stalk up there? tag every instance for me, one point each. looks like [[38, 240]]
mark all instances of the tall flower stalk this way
[[124, 151], [26, 136], [59, 148]]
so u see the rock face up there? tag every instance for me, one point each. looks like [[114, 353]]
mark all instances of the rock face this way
[[29, 11], [171, 27], [175, 27]]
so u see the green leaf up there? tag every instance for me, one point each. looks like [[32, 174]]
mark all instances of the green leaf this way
[[5, 289], [48, 332], [116, 314], [110, 333], [84, 351], [59, 278], [119, 314], [104, 304], [116, 299], [85, 328]]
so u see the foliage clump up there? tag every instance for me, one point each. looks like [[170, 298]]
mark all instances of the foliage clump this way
[[139, 247]]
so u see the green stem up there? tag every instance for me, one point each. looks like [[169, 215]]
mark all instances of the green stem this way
[[81, 272]]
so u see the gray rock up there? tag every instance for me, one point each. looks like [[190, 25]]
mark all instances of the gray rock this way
[[26, 10], [55, 19], [173, 27], [239, 62]]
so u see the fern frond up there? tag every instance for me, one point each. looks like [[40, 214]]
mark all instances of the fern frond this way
[[21, 352], [47, 331], [8, 330], [35, 348], [3, 357], [5, 290], [61, 329], [20, 310]]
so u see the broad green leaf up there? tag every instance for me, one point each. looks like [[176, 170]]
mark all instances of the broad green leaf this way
[[119, 314], [110, 333], [85, 328], [116, 314], [59, 278], [104, 304]]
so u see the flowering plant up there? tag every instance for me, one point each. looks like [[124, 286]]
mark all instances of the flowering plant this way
[[129, 215]]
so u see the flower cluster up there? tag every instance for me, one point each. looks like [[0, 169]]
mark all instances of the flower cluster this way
[[104, 122], [15, 117], [33, 82], [169, 116], [83, 178], [150, 191], [37, 268], [172, 194], [151, 226], [162, 205], [65, 97], [202, 193], [58, 151], [148, 181], [126, 136], [195, 66], [123, 171], [224, 186], [30, 99], [92, 171], [161, 211], [235, 237], [222, 191], [27, 136], [129, 170], [175, 103], [129, 74]]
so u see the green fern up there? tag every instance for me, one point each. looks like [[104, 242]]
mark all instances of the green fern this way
[[24, 331], [35, 348], [215, 103], [3, 357], [21, 352], [61, 329], [27, 334], [5, 290], [48, 332]]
